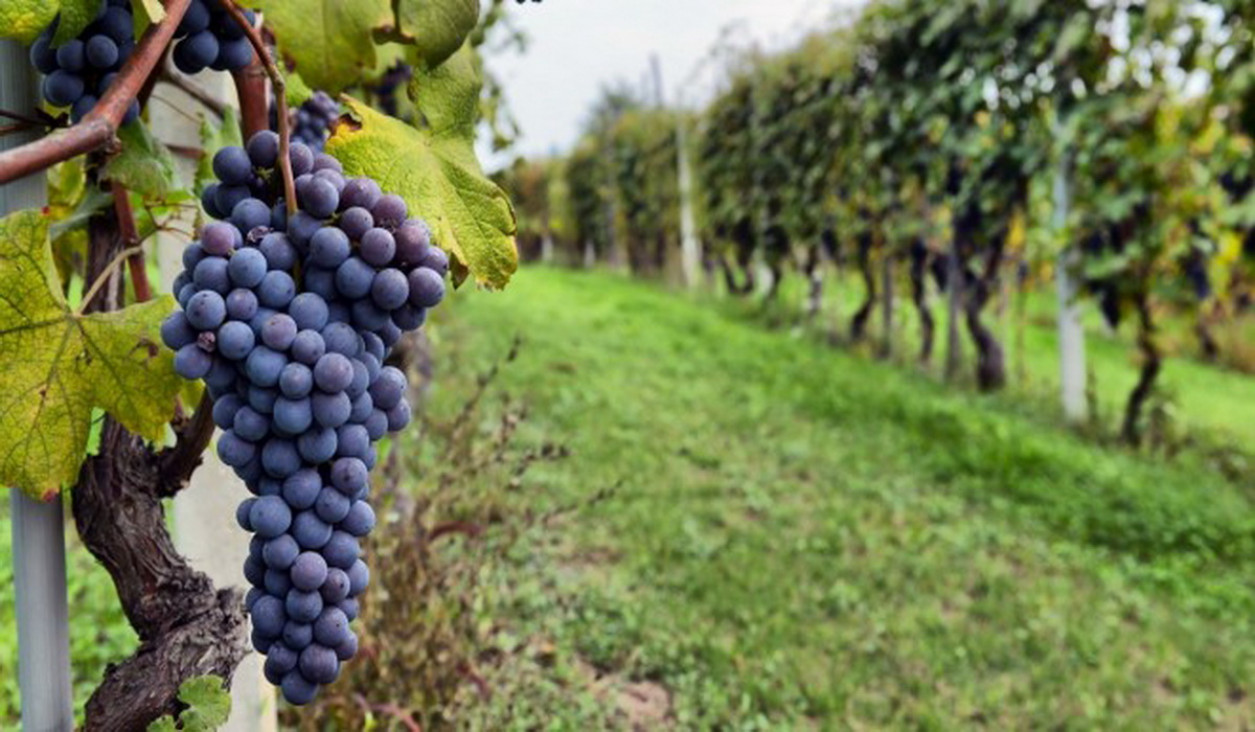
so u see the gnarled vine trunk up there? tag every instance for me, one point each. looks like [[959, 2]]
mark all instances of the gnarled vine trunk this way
[[186, 627], [919, 296], [815, 282], [1152, 364], [991, 367], [858, 323]]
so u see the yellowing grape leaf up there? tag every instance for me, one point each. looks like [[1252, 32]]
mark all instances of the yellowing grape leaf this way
[[437, 28], [24, 20], [434, 168], [57, 365], [329, 42]]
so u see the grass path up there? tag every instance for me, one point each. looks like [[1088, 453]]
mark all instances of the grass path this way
[[804, 538]]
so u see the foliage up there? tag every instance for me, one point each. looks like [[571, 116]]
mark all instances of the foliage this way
[[70, 364], [208, 706]]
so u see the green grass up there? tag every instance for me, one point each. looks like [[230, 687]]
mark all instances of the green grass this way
[[1203, 399], [805, 538]]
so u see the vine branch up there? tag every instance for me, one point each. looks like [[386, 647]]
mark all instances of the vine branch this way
[[136, 265], [99, 127], [281, 101]]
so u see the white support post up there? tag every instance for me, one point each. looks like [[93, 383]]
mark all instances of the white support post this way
[[690, 247], [38, 536], [1072, 373], [204, 524]]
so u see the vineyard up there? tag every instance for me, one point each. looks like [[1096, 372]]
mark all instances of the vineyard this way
[[895, 372], [953, 171]]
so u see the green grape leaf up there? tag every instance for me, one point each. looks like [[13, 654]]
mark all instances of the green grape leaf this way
[[76, 15], [296, 91], [59, 365], [208, 703], [434, 168], [24, 20], [145, 165], [328, 42], [437, 28]]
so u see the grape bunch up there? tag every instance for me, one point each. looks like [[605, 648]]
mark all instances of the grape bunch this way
[[210, 38], [77, 73], [314, 119], [289, 321]]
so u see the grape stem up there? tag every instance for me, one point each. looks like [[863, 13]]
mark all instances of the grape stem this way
[[281, 101], [105, 275], [98, 129]]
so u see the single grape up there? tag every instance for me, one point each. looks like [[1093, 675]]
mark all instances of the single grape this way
[[264, 366], [332, 506], [342, 550], [270, 517], [211, 274], [293, 416], [368, 316], [303, 606], [309, 571], [413, 239], [389, 388], [224, 410], [318, 445], [247, 267], [308, 311], [206, 310], [226, 197], [349, 475], [102, 52], [62, 88], [301, 158], [426, 288], [319, 197], [341, 338], [278, 251], [296, 690], [269, 616], [354, 278], [297, 636], [378, 246], [310, 531], [308, 347], [235, 340], [276, 289], [347, 649], [336, 587], [232, 166], [390, 289], [389, 211], [277, 583], [436, 260], [319, 664], [263, 149], [72, 56], [250, 214], [242, 305], [279, 331], [279, 458], [296, 380], [355, 222], [361, 192], [361, 519], [280, 552], [251, 425], [331, 410], [331, 628], [176, 331], [359, 578], [329, 248]]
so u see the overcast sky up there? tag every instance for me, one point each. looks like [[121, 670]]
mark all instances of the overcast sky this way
[[576, 46]]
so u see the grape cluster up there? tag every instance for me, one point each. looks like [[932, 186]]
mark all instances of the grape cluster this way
[[78, 72], [210, 38], [386, 90], [314, 119], [289, 321]]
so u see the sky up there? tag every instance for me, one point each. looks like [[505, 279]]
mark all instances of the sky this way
[[577, 46]]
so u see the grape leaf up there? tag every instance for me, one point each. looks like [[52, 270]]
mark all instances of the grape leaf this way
[[145, 165], [208, 707], [24, 20], [329, 42], [437, 28], [76, 15], [59, 364], [434, 168]]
